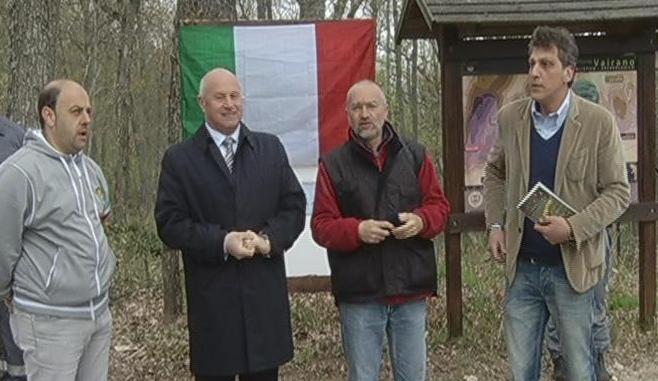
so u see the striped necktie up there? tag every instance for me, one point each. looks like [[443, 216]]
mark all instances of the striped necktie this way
[[229, 154]]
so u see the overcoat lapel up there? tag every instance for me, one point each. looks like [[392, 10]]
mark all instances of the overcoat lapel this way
[[204, 142]]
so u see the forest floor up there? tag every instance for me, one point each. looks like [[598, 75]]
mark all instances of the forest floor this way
[[146, 348]]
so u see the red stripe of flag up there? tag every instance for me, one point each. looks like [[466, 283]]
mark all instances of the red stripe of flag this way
[[346, 54]]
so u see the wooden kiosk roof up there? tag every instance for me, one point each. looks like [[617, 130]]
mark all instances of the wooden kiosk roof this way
[[420, 18], [496, 33]]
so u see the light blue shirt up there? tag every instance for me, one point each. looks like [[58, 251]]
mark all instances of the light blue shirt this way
[[218, 138], [549, 125]]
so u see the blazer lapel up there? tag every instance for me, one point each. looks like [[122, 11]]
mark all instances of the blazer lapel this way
[[570, 137]]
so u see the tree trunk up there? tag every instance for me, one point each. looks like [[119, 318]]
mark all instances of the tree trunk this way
[[339, 9], [264, 9], [374, 9], [389, 37], [203, 9], [311, 9], [32, 51], [438, 122], [413, 89], [124, 109], [91, 70], [399, 95], [353, 8]]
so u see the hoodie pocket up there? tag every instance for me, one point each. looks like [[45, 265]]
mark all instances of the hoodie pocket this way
[[52, 273]]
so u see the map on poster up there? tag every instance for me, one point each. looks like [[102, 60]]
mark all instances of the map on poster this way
[[612, 82]]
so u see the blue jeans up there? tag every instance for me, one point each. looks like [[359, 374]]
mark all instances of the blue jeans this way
[[537, 292], [363, 327], [601, 325]]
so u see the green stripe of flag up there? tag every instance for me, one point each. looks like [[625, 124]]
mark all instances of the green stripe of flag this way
[[202, 48]]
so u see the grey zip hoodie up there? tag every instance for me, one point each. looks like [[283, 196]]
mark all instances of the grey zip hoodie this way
[[54, 254]]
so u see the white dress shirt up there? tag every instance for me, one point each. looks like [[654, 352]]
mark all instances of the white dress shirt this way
[[218, 138]]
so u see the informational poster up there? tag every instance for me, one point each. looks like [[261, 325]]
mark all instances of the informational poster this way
[[609, 81], [484, 95]]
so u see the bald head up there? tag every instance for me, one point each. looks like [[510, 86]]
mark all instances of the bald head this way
[[49, 96], [370, 86], [217, 74], [65, 115], [367, 111], [220, 97]]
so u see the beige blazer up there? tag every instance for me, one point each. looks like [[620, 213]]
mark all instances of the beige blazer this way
[[590, 175]]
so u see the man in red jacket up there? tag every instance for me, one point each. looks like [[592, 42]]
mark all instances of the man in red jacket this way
[[378, 204]]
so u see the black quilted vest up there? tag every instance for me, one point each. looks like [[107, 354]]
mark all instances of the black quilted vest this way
[[393, 267]]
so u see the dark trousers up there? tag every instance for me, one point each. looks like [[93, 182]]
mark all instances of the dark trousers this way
[[266, 375]]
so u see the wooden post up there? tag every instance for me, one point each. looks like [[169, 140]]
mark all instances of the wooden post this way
[[453, 160], [646, 99]]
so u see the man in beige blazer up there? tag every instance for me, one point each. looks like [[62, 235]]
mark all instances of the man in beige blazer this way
[[573, 147]]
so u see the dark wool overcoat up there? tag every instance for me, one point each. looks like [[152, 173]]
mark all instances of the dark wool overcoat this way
[[238, 310]]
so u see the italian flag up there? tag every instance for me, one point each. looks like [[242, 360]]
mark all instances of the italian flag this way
[[294, 77]]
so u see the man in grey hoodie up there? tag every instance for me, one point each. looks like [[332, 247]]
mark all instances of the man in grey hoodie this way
[[11, 139], [55, 260]]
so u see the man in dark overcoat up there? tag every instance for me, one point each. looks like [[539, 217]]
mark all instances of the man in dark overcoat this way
[[230, 201]]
